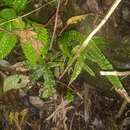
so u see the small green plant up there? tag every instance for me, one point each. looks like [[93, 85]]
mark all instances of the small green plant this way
[[34, 40], [69, 46], [32, 37]]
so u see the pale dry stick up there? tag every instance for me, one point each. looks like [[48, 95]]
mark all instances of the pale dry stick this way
[[65, 103], [28, 13], [122, 109], [88, 39], [87, 103], [115, 73], [121, 91], [55, 26]]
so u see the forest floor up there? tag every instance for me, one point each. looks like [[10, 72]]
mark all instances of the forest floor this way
[[92, 108]]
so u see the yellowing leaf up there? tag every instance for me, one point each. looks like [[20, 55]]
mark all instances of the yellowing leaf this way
[[28, 36], [76, 19]]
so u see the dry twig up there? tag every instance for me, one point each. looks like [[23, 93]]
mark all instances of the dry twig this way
[[55, 26], [115, 73]]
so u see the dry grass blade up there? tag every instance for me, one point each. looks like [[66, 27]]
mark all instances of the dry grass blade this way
[[59, 115], [58, 109]]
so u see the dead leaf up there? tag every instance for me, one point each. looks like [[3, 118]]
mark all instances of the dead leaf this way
[[76, 19], [27, 36]]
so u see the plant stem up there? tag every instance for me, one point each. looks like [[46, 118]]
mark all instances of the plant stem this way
[[55, 26]]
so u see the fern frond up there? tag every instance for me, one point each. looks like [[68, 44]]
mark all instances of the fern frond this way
[[49, 83], [69, 40], [93, 53], [44, 72]]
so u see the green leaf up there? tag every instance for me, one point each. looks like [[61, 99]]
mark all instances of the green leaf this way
[[8, 14], [15, 82], [38, 72], [18, 24], [49, 83], [43, 71], [69, 40], [94, 54], [30, 53], [78, 67], [7, 43], [35, 44], [69, 96], [43, 36], [115, 81], [18, 5], [89, 70]]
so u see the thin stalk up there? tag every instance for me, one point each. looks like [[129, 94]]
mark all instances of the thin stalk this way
[[55, 26]]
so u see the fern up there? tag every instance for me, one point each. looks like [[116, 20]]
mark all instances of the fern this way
[[78, 67], [93, 53], [49, 83], [43, 71], [69, 40], [69, 43]]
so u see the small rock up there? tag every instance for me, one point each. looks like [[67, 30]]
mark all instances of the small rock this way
[[36, 101]]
